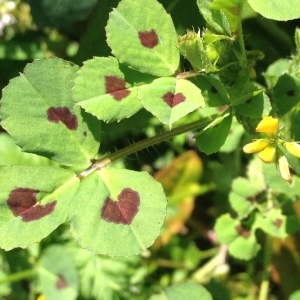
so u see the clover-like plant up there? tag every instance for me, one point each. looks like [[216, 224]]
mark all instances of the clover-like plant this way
[[58, 110]]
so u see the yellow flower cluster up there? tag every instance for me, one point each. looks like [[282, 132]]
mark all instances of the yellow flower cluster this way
[[267, 148]]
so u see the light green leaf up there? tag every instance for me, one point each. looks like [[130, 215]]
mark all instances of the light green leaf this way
[[101, 89], [241, 243], [142, 35], [280, 10], [244, 248], [211, 139], [33, 202], [37, 110], [189, 290], [170, 99], [273, 223], [11, 154], [114, 214], [57, 274], [225, 228], [242, 196]]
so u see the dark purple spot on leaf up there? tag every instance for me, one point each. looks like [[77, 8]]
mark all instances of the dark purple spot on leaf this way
[[85, 133], [213, 90], [22, 202], [149, 39], [116, 87], [61, 282], [278, 223], [172, 100], [251, 199], [242, 231], [291, 93], [122, 211], [63, 114]]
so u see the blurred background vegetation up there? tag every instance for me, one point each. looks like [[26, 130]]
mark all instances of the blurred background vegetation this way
[[197, 185]]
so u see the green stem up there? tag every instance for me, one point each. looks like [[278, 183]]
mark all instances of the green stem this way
[[241, 42], [264, 287], [18, 276], [104, 161]]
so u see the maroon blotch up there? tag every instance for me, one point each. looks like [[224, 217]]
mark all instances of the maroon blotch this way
[[38, 211], [251, 199], [85, 133], [63, 114], [22, 202], [61, 282], [242, 231], [116, 87], [149, 39], [122, 211], [173, 100], [291, 93], [278, 223]]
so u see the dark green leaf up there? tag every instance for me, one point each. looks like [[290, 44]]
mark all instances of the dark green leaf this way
[[210, 139]]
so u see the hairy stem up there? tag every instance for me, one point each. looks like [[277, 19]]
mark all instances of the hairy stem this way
[[264, 287], [104, 161], [18, 276]]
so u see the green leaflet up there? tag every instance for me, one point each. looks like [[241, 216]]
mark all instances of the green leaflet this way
[[57, 274], [170, 99], [280, 10], [34, 201], [242, 243], [216, 20], [44, 121], [286, 93], [114, 214], [142, 35], [101, 89], [211, 139]]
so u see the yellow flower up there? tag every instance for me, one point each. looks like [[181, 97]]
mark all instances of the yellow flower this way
[[284, 168], [256, 146], [267, 155], [293, 148], [268, 125]]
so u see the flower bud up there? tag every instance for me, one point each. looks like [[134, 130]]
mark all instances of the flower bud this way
[[293, 148], [256, 146], [267, 155], [268, 125], [284, 168]]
